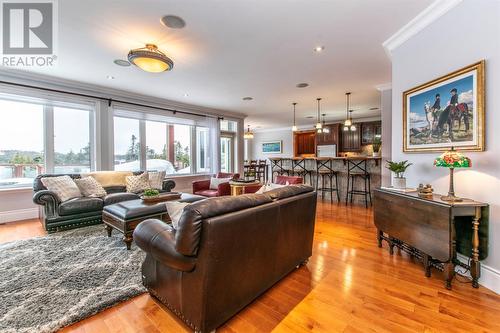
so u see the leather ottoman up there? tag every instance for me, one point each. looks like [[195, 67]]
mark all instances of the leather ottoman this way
[[126, 215]]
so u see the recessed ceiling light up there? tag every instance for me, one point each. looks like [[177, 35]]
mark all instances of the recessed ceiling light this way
[[121, 62], [172, 21], [110, 77], [248, 98], [302, 85], [309, 117], [319, 48]]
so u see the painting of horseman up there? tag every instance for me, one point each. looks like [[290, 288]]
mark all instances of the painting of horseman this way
[[446, 112]]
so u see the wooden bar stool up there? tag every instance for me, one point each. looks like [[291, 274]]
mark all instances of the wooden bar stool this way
[[357, 169], [324, 168]]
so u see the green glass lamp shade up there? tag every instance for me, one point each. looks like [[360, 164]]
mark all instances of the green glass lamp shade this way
[[452, 159]]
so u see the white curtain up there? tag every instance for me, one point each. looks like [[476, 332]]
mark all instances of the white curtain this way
[[214, 144]]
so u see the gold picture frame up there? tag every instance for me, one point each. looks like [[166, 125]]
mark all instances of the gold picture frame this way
[[429, 128]]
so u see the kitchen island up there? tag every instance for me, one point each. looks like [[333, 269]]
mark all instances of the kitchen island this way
[[307, 167]]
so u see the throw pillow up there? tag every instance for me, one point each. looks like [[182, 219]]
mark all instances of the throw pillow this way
[[63, 186], [90, 187], [137, 184], [269, 187], [156, 179], [174, 210], [214, 182]]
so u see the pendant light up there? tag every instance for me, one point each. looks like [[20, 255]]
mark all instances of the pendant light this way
[[348, 121], [325, 128], [248, 134], [318, 124], [353, 127], [294, 127]]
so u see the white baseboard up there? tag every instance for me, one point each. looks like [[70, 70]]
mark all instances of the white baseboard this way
[[18, 215], [490, 277]]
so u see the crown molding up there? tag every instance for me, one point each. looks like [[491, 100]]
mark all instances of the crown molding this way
[[384, 86], [435, 10], [46, 81]]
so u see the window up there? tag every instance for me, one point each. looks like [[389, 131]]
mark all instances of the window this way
[[202, 151], [182, 148], [167, 147], [40, 136], [72, 152], [227, 143], [127, 144], [21, 143]]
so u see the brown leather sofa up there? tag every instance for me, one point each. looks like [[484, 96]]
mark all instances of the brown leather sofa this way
[[226, 251]]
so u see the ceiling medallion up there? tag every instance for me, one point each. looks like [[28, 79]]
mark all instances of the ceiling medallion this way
[[150, 59]]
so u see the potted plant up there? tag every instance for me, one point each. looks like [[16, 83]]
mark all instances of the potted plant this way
[[399, 168], [151, 193], [377, 144]]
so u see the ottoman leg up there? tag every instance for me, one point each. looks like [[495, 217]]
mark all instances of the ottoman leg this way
[[108, 229], [128, 240]]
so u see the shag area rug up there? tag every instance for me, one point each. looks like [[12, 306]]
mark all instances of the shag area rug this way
[[49, 282]]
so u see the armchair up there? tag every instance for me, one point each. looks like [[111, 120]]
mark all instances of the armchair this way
[[202, 187], [282, 180]]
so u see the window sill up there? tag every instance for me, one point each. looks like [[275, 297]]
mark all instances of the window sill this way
[[16, 189]]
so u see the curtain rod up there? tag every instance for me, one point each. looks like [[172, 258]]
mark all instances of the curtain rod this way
[[110, 100]]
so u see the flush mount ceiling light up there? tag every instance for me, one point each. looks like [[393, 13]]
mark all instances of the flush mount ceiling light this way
[[172, 21], [294, 127], [248, 134], [150, 59], [302, 85], [319, 48], [121, 62], [248, 98], [318, 123]]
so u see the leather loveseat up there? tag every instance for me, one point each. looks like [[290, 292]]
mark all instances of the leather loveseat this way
[[79, 212], [226, 251]]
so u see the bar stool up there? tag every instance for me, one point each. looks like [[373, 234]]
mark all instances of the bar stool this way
[[324, 168], [277, 168], [299, 169], [356, 169]]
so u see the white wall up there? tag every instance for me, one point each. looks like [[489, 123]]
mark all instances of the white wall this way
[[255, 145], [466, 34], [386, 110]]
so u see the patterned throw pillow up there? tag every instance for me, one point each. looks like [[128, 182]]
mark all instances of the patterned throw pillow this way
[[269, 187], [136, 184], [174, 210], [90, 187], [63, 186], [214, 182], [156, 179]]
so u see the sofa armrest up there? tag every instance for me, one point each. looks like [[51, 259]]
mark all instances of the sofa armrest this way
[[224, 189], [49, 200], [168, 185], [157, 239], [200, 185]]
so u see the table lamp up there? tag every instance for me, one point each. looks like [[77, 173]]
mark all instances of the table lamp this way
[[452, 159]]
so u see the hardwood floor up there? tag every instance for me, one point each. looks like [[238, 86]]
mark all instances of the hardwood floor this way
[[349, 285]]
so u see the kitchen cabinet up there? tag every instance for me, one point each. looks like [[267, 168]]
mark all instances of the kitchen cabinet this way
[[351, 140], [331, 138], [369, 131], [304, 143]]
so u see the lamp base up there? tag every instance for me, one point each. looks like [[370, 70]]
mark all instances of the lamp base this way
[[451, 198]]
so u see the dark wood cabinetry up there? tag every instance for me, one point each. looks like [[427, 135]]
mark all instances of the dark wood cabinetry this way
[[369, 131], [331, 138], [351, 140], [304, 143]]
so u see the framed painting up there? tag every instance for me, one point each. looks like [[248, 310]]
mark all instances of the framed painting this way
[[446, 112], [272, 147]]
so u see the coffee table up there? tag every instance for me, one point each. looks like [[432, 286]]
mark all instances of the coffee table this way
[[125, 216]]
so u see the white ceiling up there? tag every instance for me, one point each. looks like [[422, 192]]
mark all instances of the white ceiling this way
[[235, 48]]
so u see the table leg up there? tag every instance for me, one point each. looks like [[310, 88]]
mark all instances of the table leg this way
[[475, 266], [127, 238], [380, 233], [109, 229], [449, 272], [427, 265]]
